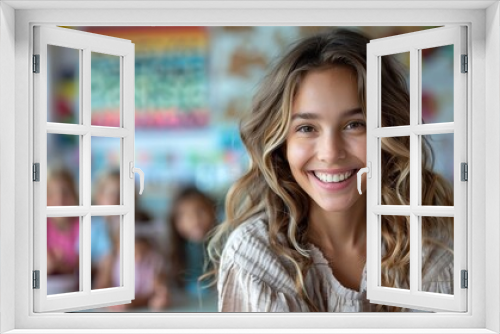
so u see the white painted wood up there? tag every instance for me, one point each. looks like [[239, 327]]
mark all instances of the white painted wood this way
[[246, 4], [94, 210], [7, 167], [422, 210], [414, 170], [482, 95], [491, 163], [128, 154], [86, 172], [76, 129], [428, 129], [413, 43], [86, 44]]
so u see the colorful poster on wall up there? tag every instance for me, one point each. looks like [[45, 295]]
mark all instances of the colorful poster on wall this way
[[171, 77]]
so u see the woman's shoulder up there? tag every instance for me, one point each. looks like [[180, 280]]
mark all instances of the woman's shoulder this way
[[250, 238], [248, 249]]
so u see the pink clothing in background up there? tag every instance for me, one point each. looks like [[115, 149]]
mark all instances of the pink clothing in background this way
[[64, 241], [146, 270]]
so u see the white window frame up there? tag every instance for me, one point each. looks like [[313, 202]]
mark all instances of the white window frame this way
[[17, 127], [84, 43], [414, 43]]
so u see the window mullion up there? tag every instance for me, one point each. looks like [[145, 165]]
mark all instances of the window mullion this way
[[421, 211], [67, 211], [109, 210], [434, 128], [419, 129], [85, 162], [414, 168]]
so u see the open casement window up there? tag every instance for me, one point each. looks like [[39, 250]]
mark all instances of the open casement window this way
[[65, 213], [446, 135]]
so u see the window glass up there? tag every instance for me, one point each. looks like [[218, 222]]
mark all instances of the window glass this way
[[105, 251], [106, 181], [437, 84], [395, 170], [437, 254], [105, 89], [63, 85], [395, 252], [439, 159], [391, 113], [63, 172], [63, 255]]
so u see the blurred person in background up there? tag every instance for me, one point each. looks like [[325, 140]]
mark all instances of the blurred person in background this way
[[62, 232], [192, 216], [107, 193], [150, 278]]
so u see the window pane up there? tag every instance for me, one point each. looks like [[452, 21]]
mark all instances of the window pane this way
[[437, 254], [63, 84], [105, 89], [437, 170], [106, 182], [395, 108], [395, 170], [63, 160], [437, 84], [63, 255], [395, 252], [105, 251]]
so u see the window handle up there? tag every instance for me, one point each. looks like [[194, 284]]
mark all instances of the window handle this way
[[367, 170], [134, 170]]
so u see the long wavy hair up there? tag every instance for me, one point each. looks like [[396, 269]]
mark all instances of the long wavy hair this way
[[268, 186]]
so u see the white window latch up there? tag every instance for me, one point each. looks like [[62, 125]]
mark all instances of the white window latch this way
[[134, 170], [367, 170]]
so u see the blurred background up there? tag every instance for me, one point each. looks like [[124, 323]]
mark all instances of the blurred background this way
[[192, 85]]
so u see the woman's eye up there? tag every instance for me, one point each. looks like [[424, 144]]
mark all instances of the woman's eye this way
[[305, 128], [355, 125]]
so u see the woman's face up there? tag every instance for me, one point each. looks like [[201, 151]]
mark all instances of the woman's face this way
[[326, 142]]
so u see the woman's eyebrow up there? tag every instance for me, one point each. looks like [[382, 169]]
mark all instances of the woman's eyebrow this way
[[310, 115], [305, 115], [352, 112]]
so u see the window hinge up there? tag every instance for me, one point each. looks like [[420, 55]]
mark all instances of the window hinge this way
[[465, 63], [465, 279], [36, 172], [36, 63], [36, 279], [464, 171]]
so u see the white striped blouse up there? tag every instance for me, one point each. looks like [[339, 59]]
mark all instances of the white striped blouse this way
[[252, 278]]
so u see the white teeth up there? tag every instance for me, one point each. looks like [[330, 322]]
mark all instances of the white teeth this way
[[333, 177]]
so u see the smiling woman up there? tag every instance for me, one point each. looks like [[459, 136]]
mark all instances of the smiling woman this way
[[294, 238], [325, 150]]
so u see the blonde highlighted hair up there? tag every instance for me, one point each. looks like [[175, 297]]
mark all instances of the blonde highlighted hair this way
[[268, 186]]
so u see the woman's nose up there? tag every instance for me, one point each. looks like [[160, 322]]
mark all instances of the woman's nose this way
[[331, 148]]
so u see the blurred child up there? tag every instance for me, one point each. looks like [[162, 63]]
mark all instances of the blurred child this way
[[107, 192], [193, 215], [150, 280], [62, 232]]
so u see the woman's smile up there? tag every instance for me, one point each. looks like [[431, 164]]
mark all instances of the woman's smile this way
[[334, 180]]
